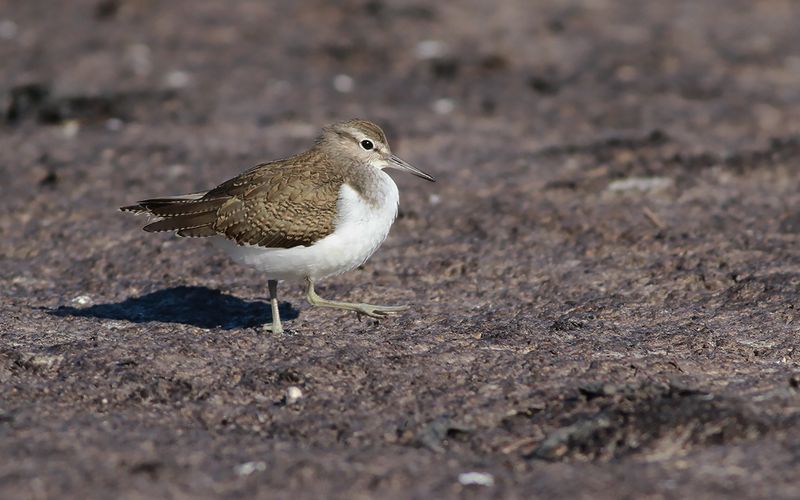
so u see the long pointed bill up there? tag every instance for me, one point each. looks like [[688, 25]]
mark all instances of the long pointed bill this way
[[395, 162]]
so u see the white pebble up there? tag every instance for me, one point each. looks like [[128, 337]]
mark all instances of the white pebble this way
[[430, 49], [293, 395], [434, 199], [343, 83], [82, 300], [176, 170], [640, 184], [178, 79], [443, 106], [70, 128], [248, 468], [476, 478]]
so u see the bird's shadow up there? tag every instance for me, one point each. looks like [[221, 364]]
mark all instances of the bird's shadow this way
[[189, 305]]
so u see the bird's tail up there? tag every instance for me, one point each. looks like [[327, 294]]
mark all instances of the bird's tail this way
[[190, 215]]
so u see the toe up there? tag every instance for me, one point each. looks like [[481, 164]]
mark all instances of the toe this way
[[272, 329], [391, 309]]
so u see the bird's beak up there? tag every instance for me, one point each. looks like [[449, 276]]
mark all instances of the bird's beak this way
[[395, 162]]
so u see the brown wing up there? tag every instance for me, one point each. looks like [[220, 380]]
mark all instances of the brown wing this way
[[277, 205]]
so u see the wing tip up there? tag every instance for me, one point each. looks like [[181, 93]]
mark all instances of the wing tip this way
[[135, 209]]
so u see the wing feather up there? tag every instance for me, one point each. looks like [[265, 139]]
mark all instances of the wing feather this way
[[280, 204]]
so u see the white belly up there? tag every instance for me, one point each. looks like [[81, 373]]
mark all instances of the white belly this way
[[359, 231]]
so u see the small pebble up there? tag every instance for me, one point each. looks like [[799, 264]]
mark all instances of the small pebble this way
[[293, 395], [82, 300], [70, 128], [248, 468], [43, 361], [343, 83], [443, 106], [176, 170], [476, 478], [641, 184], [430, 49], [178, 79]]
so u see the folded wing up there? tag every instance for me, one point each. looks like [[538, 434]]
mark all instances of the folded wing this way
[[281, 204]]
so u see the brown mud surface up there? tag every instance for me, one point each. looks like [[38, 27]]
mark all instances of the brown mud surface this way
[[605, 279]]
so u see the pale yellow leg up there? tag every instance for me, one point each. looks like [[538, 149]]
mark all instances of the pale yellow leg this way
[[371, 310], [276, 326]]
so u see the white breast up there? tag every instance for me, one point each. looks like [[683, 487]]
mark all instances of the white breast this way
[[359, 231]]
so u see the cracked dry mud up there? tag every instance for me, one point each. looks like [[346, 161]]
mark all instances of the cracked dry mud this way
[[604, 280]]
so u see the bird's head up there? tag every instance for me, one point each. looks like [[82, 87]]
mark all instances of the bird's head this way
[[366, 143]]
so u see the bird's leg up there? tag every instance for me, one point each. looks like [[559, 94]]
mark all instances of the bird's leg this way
[[370, 310], [276, 326]]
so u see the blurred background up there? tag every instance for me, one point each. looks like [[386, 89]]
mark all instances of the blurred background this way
[[604, 277]]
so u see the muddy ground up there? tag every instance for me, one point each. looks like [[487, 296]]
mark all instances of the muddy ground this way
[[604, 280]]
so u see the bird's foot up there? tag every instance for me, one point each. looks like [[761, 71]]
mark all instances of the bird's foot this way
[[272, 328], [371, 310], [375, 311]]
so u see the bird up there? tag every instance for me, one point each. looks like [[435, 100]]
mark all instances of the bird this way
[[311, 216]]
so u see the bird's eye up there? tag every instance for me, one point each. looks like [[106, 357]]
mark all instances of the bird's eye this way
[[367, 144]]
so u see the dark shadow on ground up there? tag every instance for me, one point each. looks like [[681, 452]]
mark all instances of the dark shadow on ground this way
[[190, 305]]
